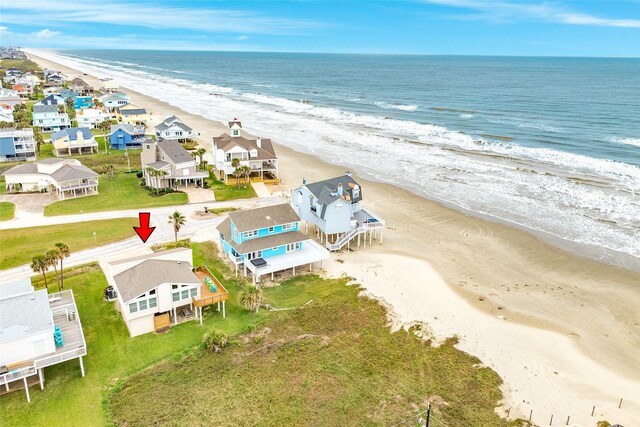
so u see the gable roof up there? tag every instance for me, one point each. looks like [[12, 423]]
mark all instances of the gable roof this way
[[151, 273], [79, 82], [225, 142], [72, 133], [172, 121], [175, 151], [327, 191], [73, 172], [268, 216], [235, 122], [50, 100], [45, 109]]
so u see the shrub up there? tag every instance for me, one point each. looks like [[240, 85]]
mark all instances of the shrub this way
[[139, 174], [215, 340]]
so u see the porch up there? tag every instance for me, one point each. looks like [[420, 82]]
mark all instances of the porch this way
[[207, 296], [76, 149], [73, 346], [310, 253], [83, 187]]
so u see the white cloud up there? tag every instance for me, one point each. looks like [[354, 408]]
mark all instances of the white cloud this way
[[46, 34], [140, 14], [503, 11]]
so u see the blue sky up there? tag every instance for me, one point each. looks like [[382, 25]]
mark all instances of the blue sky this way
[[476, 27]]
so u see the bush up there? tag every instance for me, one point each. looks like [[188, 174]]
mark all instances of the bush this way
[[139, 174], [215, 340]]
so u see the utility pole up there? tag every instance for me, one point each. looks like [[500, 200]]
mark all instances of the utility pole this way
[[126, 154], [428, 413]]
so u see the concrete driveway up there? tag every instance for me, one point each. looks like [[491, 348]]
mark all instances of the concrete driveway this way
[[29, 205]]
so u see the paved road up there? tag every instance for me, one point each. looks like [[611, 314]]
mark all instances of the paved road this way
[[198, 228]]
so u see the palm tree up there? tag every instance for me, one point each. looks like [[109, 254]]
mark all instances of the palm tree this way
[[200, 152], [245, 171], [178, 220], [39, 264], [235, 163], [52, 259], [63, 252], [105, 126], [160, 174], [251, 297]]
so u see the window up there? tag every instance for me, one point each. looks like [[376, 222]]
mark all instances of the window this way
[[194, 292], [254, 255], [133, 307], [176, 296], [250, 233], [185, 294], [356, 193], [142, 304], [293, 246], [153, 302], [270, 229], [275, 248], [288, 226]]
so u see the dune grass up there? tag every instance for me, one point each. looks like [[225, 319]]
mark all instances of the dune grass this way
[[330, 359], [122, 192], [7, 210], [21, 244]]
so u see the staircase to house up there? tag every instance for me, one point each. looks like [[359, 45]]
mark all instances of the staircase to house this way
[[345, 238]]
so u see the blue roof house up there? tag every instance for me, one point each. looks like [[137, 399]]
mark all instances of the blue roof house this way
[[124, 135], [266, 240]]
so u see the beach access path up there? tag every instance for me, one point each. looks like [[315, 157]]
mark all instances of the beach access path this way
[[556, 306]]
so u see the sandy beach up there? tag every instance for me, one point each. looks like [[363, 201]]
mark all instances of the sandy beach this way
[[561, 330]]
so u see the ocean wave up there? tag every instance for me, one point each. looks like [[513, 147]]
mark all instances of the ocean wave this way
[[575, 197], [466, 116], [625, 141], [402, 107]]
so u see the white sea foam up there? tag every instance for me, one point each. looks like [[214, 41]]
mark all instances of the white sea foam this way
[[466, 116], [402, 107], [577, 198], [626, 141]]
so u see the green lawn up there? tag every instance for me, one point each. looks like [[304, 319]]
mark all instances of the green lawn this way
[[21, 244], [223, 191], [123, 192], [22, 64], [7, 209]]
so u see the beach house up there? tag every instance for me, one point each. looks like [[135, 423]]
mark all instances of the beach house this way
[[56, 77], [124, 135], [174, 129], [37, 330], [157, 290], [133, 115], [50, 118], [23, 90], [10, 97], [110, 85], [334, 207], [80, 86], [166, 164], [69, 141], [258, 154], [65, 177], [91, 117], [53, 99], [17, 145], [115, 100], [266, 240]]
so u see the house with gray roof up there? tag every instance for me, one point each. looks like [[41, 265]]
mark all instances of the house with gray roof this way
[[37, 330], [65, 177], [267, 240], [166, 164], [50, 117], [334, 207], [174, 129], [80, 86], [258, 154], [134, 116], [161, 284]]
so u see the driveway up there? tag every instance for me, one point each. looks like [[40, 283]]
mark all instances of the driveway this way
[[30, 205], [199, 194]]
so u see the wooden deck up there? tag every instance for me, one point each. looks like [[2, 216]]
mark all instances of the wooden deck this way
[[206, 296]]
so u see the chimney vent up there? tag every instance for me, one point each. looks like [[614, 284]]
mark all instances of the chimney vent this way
[[259, 142], [340, 190], [348, 173]]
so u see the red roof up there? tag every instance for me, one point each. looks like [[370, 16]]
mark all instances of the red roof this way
[[18, 87]]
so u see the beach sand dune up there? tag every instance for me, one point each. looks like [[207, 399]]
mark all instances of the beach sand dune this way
[[562, 331]]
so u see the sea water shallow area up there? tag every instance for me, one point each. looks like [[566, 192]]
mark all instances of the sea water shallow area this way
[[548, 145]]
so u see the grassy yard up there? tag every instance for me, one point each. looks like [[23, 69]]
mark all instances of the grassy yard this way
[[22, 64], [332, 362], [123, 192], [7, 209], [223, 191], [20, 245]]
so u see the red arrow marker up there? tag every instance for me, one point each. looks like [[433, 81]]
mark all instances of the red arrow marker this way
[[144, 231]]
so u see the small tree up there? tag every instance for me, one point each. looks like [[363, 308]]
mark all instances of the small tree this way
[[37, 135], [63, 252], [178, 220], [235, 163], [109, 170], [39, 264], [245, 171], [251, 297], [215, 340], [200, 152], [52, 259]]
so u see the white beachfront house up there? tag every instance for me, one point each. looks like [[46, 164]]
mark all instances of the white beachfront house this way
[[37, 330], [67, 177], [174, 129], [258, 154], [115, 100], [266, 240], [172, 163], [91, 117], [156, 290], [334, 207]]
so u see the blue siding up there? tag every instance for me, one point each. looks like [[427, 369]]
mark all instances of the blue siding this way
[[7, 147], [119, 140], [261, 232]]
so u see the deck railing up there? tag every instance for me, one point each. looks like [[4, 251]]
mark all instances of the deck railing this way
[[200, 302]]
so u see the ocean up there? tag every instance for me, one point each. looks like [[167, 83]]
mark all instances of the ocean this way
[[550, 145]]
